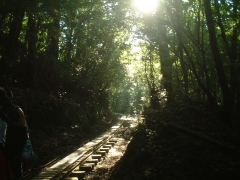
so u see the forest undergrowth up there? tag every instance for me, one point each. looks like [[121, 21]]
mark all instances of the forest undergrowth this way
[[158, 151]]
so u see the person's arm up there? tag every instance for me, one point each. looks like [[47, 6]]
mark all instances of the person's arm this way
[[22, 119]]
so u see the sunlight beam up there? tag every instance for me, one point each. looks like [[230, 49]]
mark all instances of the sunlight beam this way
[[146, 5]]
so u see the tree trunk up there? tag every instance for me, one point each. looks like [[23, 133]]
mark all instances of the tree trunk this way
[[166, 61], [166, 69], [235, 66], [31, 38], [52, 51], [228, 105], [210, 97], [184, 71], [11, 50]]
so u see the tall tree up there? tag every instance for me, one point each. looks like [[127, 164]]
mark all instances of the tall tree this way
[[228, 100]]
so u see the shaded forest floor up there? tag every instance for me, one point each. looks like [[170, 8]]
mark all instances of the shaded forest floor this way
[[157, 151]]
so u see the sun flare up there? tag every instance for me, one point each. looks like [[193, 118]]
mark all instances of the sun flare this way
[[146, 5]]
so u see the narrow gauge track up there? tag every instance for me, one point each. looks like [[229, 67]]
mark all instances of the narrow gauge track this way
[[62, 167]]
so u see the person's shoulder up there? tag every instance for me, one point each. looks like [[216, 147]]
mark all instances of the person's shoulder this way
[[13, 109]]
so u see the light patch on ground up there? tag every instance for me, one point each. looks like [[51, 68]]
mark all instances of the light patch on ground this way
[[103, 169]]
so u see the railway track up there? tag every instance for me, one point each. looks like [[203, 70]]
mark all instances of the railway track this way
[[82, 161]]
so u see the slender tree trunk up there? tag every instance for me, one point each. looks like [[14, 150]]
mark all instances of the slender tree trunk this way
[[231, 49], [154, 100], [196, 73], [31, 37], [165, 59], [166, 70], [237, 112], [53, 37], [235, 66], [210, 97], [184, 70], [228, 105], [11, 51], [53, 45]]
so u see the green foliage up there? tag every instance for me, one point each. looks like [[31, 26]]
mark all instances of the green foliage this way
[[78, 50], [67, 50], [192, 66]]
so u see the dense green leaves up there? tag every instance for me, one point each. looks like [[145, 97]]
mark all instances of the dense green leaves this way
[[79, 50], [69, 49], [201, 37]]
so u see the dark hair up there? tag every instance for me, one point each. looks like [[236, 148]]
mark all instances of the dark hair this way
[[3, 96]]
